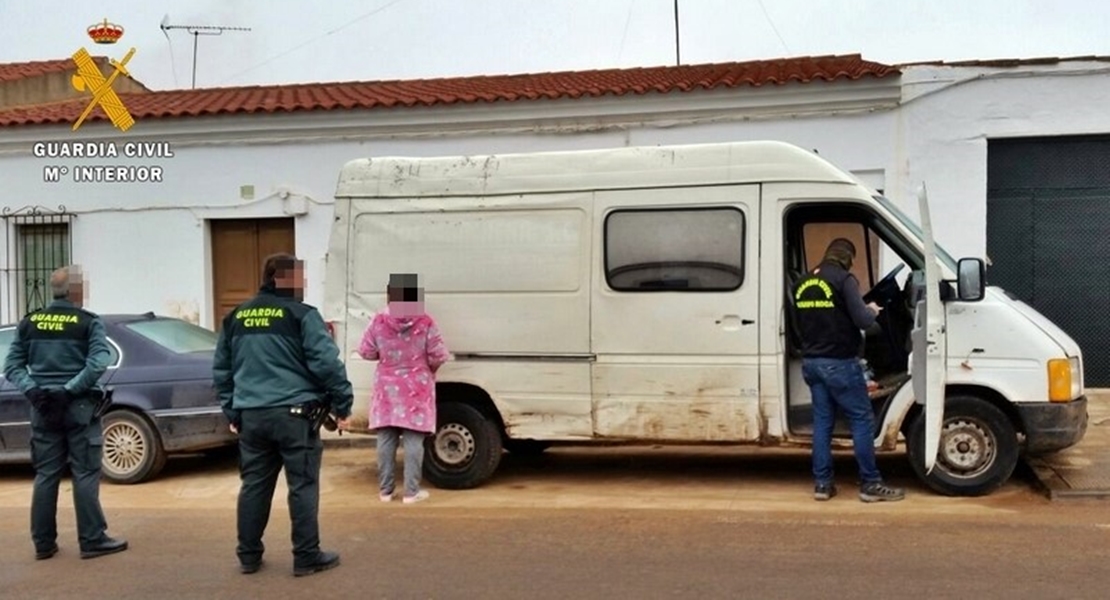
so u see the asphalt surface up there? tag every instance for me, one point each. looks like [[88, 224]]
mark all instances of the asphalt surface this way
[[615, 523]]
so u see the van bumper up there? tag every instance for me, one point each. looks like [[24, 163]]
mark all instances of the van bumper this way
[[1052, 426]]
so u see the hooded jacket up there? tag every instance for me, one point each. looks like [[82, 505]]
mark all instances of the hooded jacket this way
[[409, 349]]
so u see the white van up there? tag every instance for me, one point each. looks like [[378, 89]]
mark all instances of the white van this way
[[640, 295]]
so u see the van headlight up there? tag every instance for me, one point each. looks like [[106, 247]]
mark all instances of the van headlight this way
[[1065, 379]]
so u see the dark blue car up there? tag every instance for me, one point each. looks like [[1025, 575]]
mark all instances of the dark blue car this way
[[163, 401]]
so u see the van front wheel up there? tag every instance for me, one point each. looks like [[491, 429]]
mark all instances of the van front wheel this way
[[978, 448], [465, 450]]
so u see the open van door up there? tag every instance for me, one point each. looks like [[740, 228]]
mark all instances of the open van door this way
[[930, 351]]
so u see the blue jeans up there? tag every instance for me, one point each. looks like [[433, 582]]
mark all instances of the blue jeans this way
[[839, 383]]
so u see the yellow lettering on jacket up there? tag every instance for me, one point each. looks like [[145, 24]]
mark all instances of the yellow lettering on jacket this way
[[53, 318], [52, 321], [823, 287], [264, 312]]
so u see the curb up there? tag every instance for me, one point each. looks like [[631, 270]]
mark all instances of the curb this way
[[1055, 487]]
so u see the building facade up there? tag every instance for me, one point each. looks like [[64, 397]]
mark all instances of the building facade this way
[[235, 174]]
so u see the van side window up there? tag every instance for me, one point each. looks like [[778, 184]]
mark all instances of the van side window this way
[[674, 249]]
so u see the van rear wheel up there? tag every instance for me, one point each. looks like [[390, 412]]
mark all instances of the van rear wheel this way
[[978, 448], [465, 450]]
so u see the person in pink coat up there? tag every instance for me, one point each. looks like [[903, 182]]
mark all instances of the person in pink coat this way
[[409, 349]]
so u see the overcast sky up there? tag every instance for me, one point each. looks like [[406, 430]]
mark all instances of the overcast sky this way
[[294, 41]]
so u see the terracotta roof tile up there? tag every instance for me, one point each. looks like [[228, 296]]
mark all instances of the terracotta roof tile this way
[[13, 71], [464, 90]]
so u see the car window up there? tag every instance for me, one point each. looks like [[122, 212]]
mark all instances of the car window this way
[[175, 335], [7, 336]]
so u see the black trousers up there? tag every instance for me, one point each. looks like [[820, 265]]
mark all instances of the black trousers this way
[[269, 439], [79, 444]]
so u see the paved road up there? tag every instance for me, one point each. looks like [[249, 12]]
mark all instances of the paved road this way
[[623, 523]]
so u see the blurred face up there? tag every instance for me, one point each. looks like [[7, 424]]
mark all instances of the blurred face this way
[[78, 287], [291, 280], [405, 301]]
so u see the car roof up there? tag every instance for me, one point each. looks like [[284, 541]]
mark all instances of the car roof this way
[[117, 318]]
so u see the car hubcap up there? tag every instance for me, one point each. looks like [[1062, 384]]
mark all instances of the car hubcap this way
[[454, 444], [967, 447], [124, 447]]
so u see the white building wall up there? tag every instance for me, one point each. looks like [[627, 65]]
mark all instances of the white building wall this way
[[145, 246], [948, 114]]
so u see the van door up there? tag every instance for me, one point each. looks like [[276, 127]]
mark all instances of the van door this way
[[675, 314], [929, 341]]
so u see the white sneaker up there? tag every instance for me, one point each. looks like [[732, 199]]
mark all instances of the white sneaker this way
[[420, 496], [384, 497]]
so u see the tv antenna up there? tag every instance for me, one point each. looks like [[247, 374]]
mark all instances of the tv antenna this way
[[197, 31]]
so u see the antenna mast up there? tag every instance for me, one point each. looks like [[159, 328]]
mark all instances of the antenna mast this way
[[677, 48], [197, 31]]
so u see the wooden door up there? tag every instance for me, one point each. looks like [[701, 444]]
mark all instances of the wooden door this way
[[239, 248]]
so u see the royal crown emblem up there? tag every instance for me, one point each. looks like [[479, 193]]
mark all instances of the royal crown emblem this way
[[105, 33]]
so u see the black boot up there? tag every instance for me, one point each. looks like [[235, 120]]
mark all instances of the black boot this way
[[323, 562]]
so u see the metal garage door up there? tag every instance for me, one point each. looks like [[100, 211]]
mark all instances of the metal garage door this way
[[1048, 235]]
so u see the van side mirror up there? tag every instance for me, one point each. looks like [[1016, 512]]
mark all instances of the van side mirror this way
[[970, 279]]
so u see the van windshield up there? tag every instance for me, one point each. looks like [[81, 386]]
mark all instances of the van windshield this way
[[914, 228]]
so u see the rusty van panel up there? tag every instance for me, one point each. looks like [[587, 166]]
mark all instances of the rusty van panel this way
[[674, 402]]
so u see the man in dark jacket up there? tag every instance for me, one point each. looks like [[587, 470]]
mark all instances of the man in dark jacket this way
[[831, 313], [274, 361], [57, 357]]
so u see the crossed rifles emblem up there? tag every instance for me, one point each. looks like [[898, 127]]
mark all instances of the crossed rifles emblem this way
[[89, 77]]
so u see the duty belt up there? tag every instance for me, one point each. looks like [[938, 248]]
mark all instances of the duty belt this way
[[317, 413]]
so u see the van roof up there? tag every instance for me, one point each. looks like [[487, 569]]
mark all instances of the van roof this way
[[616, 168]]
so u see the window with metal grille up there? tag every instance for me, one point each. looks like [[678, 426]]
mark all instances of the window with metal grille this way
[[42, 249], [36, 242]]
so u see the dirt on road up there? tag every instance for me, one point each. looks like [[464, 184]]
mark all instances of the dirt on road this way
[[613, 523]]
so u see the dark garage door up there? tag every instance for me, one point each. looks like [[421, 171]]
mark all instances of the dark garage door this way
[[1048, 235]]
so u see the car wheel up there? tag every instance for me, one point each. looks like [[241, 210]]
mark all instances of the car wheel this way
[[132, 450], [978, 448], [465, 450]]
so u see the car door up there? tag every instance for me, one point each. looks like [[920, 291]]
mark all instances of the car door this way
[[15, 410], [674, 316]]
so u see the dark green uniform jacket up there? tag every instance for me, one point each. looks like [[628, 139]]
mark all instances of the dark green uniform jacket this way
[[60, 346], [276, 351]]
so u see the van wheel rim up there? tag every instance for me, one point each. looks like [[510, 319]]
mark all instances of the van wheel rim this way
[[124, 447], [967, 448], [454, 444]]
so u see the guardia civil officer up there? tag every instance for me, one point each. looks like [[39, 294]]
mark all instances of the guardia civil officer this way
[[830, 314], [57, 357], [273, 360]]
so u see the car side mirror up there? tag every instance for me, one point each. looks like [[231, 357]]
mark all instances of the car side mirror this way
[[970, 279]]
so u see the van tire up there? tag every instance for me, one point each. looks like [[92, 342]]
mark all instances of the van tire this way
[[465, 450], [978, 448]]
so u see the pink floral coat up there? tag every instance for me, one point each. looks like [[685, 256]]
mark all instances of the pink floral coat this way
[[409, 350]]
